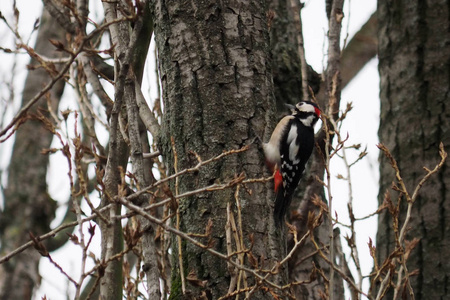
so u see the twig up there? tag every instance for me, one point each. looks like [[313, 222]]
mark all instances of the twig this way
[[177, 225], [147, 116], [330, 202], [151, 155], [97, 87], [188, 238], [400, 239], [21, 113], [50, 234], [188, 170], [383, 286], [239, 237], [338, 270], [344, 265], [230, 267], [350, 240]]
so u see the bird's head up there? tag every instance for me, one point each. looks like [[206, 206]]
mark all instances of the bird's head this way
[[307, 111]]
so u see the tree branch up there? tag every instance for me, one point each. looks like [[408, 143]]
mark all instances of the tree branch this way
[[360, 50]]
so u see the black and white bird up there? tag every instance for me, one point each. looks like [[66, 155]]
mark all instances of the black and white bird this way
[[288, 150]]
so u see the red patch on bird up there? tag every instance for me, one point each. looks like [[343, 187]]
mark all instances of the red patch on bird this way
[[317, 111], [278, 180]]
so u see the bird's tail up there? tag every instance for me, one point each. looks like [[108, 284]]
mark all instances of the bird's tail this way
[[282, 202]]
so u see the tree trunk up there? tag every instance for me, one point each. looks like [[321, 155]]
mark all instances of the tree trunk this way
[[303, 263], [414, 54], [28, 207], [286, 64], [217, 91]]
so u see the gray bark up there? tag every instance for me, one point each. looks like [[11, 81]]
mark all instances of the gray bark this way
[[28, 207], [217, 91], [131, 46], [286, 64], [414, 54]]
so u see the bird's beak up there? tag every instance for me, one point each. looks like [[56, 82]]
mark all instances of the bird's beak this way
[[290, 106]]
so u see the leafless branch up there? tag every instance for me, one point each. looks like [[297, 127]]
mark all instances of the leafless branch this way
[[147, 116], [21, 114], [401, 248], [188, 238]]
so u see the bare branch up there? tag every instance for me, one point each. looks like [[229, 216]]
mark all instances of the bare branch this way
[[19, 116], [147, 116], [188, 238], [401, 250]]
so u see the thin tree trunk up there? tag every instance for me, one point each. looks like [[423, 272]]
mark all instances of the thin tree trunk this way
[[303, 262], [28, 207], [112, 237], [414, 53], [131, 47]]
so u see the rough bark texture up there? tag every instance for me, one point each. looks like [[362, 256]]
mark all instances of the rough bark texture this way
[[28, 207], [217, 91], [285, 59], [286, 65], [414, 53]]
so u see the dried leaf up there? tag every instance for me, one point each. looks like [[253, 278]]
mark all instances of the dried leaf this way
[[194, 281], [209, 226], [49, 151], [372, 248], [91, 229], [409, 246], [73, 238], [252, 260], [59, 46]]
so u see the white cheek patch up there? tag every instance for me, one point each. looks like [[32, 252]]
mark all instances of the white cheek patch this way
[[307, 108]]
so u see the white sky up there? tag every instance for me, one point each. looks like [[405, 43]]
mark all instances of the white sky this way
[[361, 125]]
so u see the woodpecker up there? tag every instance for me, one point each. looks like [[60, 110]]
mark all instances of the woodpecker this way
[[288, 150]]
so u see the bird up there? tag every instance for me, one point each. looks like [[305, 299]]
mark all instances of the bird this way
[[288, 150]]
